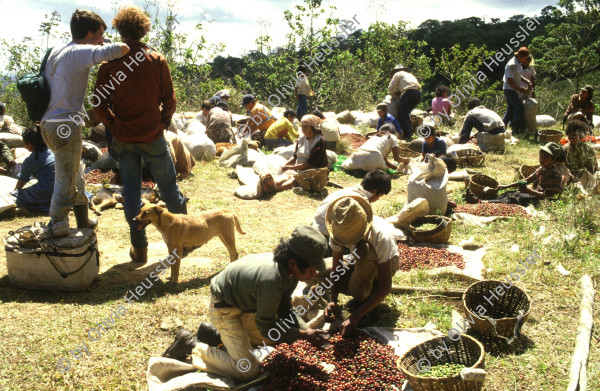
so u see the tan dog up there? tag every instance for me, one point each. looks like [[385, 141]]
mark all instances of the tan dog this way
[[179, 231]]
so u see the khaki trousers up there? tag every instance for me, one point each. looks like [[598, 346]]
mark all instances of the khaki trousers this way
[[364, 271], [238, 332]]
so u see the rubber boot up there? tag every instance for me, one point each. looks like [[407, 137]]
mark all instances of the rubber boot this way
[[184, 208], [82, 218], [138, 255], [182, 347], [208, 334]]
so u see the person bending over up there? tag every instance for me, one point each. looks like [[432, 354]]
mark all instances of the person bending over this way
[[249, 299]]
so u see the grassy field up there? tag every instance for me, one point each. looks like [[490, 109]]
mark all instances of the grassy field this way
[[40, 328]]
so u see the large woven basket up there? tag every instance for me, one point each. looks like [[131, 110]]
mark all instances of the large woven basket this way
[[503, 309], [405, 152], [314, 179], [483, 186], [440, 234], [550, 136], [469, 157], [525, 172], [466, 351], [416, 145], [415, 121]]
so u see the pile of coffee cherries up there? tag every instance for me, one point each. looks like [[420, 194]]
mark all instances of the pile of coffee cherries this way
[[490, 210], [355, 140], [427, 258], [112, 177], [358, 363], [443, 370]]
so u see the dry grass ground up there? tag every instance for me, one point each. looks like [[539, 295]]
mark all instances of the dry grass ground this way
[[39, 328]]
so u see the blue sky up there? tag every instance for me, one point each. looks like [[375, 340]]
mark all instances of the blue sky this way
[[236, 22]]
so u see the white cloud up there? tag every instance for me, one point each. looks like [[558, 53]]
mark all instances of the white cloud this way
[[237, 21]]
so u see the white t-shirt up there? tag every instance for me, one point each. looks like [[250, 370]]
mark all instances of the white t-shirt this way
[[490, 119], [303, 86], [513, 70], [305, 145], [528, 73], [381, 236], [319, 219], [403, 81], [203, 118], [383, 145]]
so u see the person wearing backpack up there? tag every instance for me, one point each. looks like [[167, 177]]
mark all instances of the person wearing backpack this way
[[66, 72]]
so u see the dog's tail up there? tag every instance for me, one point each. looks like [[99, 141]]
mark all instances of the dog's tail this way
[[237, 224]]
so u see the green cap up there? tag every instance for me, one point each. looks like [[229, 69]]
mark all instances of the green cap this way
[[310, 245], [553, 149]]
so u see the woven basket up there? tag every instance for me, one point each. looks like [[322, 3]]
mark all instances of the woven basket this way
[[503, 309], [550, 136], [416, 145], [466, 351], [525, 172], [314, 179], [440, 234], [478, 184], [415, 121], [470, 157], [405, 152]]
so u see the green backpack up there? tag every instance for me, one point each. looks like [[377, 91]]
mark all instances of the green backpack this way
[[35, 91]]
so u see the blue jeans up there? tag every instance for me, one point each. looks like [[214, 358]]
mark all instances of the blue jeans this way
[[302, 106], [277, 142], [472, 122], [158, 160], [407, 103], [514, 110]]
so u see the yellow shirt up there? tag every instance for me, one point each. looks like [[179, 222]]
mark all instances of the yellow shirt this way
[[260, 118], [282, 126]]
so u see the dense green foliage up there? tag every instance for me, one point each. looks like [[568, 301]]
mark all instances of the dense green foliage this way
[[350, 60]]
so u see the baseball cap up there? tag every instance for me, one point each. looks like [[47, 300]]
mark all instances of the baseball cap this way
[[309, 245]]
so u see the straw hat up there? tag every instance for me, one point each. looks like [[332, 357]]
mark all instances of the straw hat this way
[[348, 219], [398, 68]]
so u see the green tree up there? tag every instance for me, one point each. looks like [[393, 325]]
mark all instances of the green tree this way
[[571, 48], [460, 68]]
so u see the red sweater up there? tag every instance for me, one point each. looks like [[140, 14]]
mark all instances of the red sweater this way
[[129, 93]]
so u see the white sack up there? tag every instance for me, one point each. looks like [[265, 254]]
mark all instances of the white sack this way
[[269, 164], [200, 146], [545, 121], [431, 185]]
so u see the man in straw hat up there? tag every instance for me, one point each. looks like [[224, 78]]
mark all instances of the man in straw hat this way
[[529, 73], [406, 95], [350, 223], [513, 75], [251, 304]]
